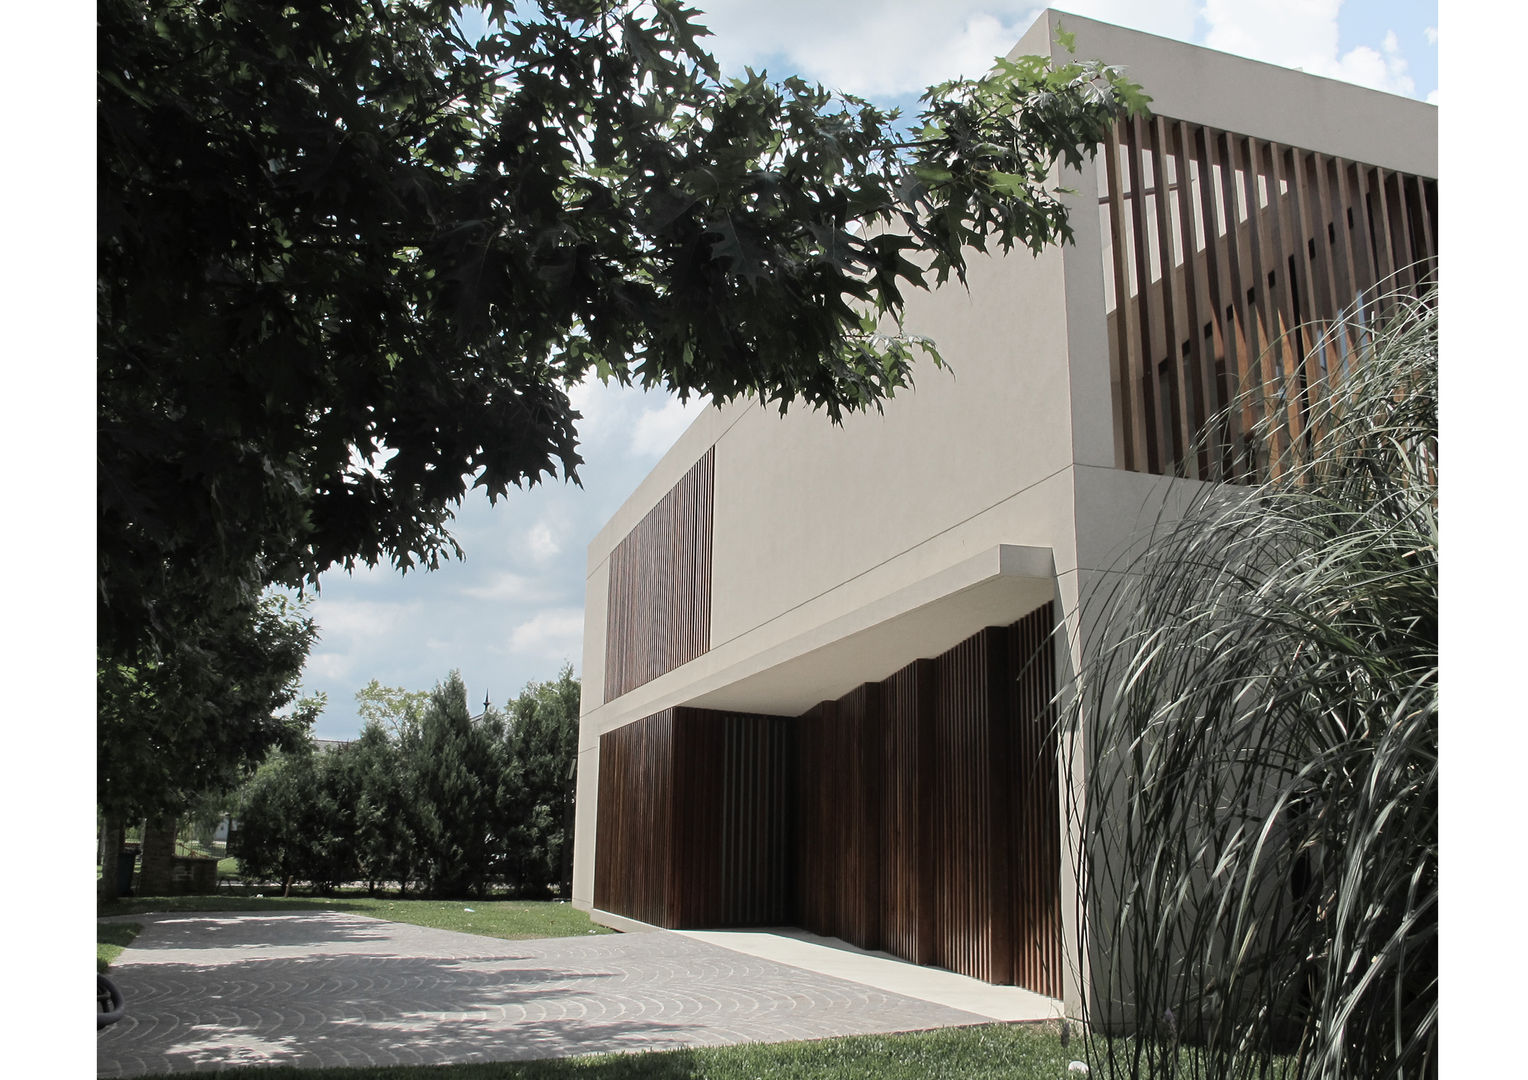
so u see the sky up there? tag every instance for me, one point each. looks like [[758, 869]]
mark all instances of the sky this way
[[511, 612]]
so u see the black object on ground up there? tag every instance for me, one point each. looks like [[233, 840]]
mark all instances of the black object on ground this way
[[109, 1006]]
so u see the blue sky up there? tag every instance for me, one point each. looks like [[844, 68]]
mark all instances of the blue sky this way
[[512, 611]]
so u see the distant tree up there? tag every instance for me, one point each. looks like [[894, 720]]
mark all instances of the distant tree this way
[[384, 840], [282, 816], [536, 788], [297, 820], [452, 765], [393, 707], [336, 856], [202, 817], [453, 802]]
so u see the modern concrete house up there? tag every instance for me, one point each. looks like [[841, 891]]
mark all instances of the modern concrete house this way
[[818, 660]]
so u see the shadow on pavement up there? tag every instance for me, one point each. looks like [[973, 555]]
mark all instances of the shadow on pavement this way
[[372, 1010]]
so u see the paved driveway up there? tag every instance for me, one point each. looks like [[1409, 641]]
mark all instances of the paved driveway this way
[[319, 989]]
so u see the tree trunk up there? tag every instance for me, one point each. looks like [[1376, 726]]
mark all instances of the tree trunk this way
[[156, 875], [113, 835]]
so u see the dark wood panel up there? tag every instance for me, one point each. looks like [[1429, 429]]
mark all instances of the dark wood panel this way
[[692, 823], [840, 754], [658, 613], [1037, 813], [730, 821], [1129, 422], [1142, 361], [633, 849], [1199, 378], [907, 882], [972, 808]]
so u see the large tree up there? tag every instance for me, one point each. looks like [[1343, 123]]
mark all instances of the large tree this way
[[350, 261]]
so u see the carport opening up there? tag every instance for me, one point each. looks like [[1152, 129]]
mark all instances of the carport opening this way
[[917, 815]]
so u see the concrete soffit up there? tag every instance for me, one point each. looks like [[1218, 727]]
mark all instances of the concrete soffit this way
[[921, 620]]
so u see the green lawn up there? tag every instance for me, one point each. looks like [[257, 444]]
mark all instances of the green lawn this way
[[1018, 1052], [511, 919], [111, 939]]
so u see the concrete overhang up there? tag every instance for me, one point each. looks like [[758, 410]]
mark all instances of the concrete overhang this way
[[919, 621]]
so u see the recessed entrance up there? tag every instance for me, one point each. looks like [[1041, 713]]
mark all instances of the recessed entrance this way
[[916, 815]]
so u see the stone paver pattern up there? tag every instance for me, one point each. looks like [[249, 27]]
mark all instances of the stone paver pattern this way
[[210, 991]]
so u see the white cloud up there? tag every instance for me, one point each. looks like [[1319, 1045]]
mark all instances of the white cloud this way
[[1432, 97], [328, 665], [507, 587], [658, 428], [358, 620], [593, 401], [1432, 35], [1303, 34], [628, 419], [541, 542], [893, 47], [556, 633]]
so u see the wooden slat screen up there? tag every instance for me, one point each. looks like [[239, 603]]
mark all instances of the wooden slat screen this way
[[972, 797], [840, 759], [633, 847], [927, 815], [918, 814], [908, 886], [731, 820], [1036, 838], [1241, 265], [659, 611], [691, 829]]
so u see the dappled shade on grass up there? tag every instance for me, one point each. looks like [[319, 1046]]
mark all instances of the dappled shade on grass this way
[[111, 939]]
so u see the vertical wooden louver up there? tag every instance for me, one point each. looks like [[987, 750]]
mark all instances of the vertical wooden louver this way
[[1244, 272], [1036, 811], [659, 611], [918, 814], [973, 793], [633, 845], [907, 882], [730, 820], [839, 821], [692, 823], [927, 819]]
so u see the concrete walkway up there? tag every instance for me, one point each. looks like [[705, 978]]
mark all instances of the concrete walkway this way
[[830, 956], [207, 991]]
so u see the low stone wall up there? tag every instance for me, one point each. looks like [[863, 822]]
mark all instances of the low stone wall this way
[[164, 873], [192, 875]]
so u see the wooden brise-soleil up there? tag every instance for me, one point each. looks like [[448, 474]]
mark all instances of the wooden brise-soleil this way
[[1279, 259]]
